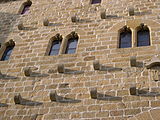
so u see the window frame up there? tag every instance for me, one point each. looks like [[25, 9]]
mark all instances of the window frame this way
[[143, 27], [51, 48], [72, 35], [57, 37], [91, 2], [3, 48], [28, 3], [125, 29], [68, 43]]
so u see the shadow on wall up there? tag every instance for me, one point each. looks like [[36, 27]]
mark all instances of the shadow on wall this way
[[7, 0], [7, 21]]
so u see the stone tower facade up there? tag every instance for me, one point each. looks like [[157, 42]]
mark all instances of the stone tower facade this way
[[100, 81]]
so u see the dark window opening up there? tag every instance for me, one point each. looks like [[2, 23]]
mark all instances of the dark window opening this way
[[26, 9], [55, 47], [71, 46], [7, 53], [125, 39], [95, 1], [143, 38]]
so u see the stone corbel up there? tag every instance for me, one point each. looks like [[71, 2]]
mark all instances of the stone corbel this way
[[28, 71], [93, 93], [54, 96], [17, 99], [75, 19], [96, 65], [133, 91], [133, 62], [61, 68], [131, 11], [103, 15], [21, 26], [46, 22]]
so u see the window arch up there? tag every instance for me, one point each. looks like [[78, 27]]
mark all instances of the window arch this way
[[143, 35], [95, 1], [125, 37], [72, 42], [25, 7], [7, 49], [54, 45]]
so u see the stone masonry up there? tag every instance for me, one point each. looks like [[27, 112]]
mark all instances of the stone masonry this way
[[98, 81]]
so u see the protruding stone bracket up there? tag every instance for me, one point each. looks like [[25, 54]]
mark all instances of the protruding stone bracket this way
[[61, 68], [103, 15], [75, 19], [21, 26], [93, 93], [96, 65], [133, 62], [46, 22], [133, 91], [131, 11], [54, 96], [17, 99], [155, 62], [28, 71]]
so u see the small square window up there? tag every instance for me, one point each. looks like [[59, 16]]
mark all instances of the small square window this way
[[95, 1]]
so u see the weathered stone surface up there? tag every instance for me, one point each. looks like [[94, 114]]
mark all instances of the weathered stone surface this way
[[98, 39]]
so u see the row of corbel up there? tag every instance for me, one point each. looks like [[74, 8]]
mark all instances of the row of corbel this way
[[96, 65], [76, 19], [54, 97]]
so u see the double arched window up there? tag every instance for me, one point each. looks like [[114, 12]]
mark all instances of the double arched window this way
[[67, 46], [141, 38]]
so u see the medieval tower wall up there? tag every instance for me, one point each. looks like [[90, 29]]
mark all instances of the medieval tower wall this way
[[79, 91]]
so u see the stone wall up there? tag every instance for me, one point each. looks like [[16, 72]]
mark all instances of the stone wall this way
[[98, 41]]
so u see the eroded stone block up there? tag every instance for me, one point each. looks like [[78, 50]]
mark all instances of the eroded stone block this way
[[133, 61], [53, 96], [17, 99], [61, 68], [96, 65], [133, 91], [93, 93]]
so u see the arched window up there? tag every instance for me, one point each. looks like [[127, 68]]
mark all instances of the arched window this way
[[71, 46], [125, 36], [95, 1], [7, 53], [26, 7], [55, 47], [71, 43], [143, 36], [8, 48]]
